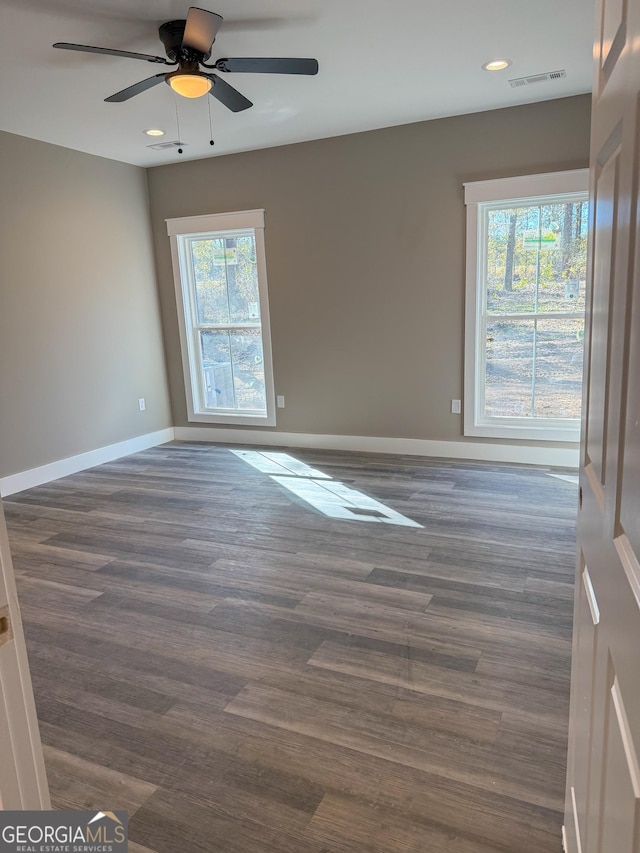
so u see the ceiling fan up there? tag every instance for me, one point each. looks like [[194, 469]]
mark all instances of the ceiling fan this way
[[188, 44]]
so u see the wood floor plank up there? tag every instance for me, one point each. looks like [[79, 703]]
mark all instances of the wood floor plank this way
[[80, 784], [52, 593], [140, 663], [167, 818], [138, 848], [489, 692], [244, 673], [394, 740], [338, 818], [427, 799], [438, 714], [41, 556]]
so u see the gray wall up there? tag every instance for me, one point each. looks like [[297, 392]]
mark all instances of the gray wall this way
[[365, 252], [365, 243], [80, 336]]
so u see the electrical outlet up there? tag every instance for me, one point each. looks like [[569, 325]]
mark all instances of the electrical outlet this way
[[455, 407], [280, 401], [141, 404]]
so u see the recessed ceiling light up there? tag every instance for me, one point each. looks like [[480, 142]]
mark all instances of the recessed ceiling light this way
[[154, 131], [497, 64]]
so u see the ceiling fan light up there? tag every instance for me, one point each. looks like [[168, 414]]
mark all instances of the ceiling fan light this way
[[190, 85]]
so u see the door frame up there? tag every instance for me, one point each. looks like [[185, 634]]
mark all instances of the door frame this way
[[23, 784]]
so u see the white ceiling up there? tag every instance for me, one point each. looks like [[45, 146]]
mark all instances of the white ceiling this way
[[381, 64]]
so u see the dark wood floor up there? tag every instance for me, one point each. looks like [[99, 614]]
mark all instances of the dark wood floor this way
[[246, 675]]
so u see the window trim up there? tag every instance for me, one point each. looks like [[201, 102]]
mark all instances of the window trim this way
[[191, 226], [479, 195]]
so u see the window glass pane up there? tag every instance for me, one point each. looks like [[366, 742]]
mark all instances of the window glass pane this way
[[217, 371], [563, 268], [233, 367], [242, 278], [210, 275], [248, 369], [509, 368], [512, 260], [536, 258], [558, 370]]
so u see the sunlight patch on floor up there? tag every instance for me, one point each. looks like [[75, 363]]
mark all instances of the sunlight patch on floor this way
[[569, 478], [319, 490]]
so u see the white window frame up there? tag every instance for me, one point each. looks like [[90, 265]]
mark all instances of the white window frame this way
[[480, 196], [218, 224]]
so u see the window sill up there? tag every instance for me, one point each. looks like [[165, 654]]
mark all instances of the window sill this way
[[525, 432], [232, 419]]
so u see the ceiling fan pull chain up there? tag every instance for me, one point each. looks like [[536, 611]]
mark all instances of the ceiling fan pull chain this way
[[211, 142], [175, 100]]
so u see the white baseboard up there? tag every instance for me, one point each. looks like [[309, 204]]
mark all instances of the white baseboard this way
[[54, 470], [551, 456], [576, 824]]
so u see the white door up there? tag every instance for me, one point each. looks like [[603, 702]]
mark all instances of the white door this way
[[603, 782], [23, 784]]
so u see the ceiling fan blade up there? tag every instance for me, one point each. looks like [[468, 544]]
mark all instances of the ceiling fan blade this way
[[268, 66], [201, 30], [87, 48], [227, 95], [136, 89]]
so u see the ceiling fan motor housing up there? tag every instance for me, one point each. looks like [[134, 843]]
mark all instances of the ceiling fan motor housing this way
[[171, 35]]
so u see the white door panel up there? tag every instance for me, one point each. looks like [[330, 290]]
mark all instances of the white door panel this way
[[603, 779]]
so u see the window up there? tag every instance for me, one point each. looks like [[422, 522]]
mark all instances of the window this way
[[221, 291], [525, 304]]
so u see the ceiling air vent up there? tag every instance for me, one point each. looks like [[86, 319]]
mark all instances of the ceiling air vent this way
[[518, 82], [163, 146]]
